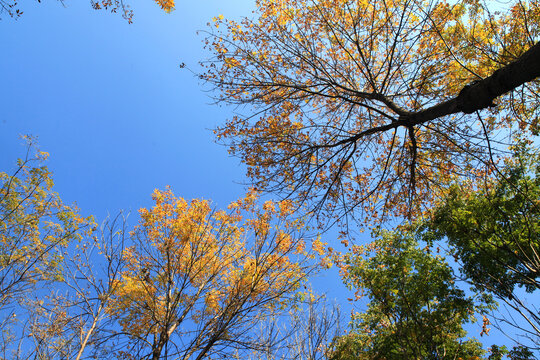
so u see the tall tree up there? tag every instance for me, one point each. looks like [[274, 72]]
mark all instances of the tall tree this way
[[33, 222], [34, 227], [493, 230], [415, 309], [361, 106], [198, 281]]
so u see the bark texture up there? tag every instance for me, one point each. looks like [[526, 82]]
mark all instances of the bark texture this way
[[480, 94]]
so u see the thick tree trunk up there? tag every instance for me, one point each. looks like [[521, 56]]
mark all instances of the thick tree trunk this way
[[480, 95]]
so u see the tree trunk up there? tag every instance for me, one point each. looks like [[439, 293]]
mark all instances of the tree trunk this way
[[480, 95]]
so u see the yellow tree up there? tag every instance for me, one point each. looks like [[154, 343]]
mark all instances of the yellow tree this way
[[360, 107], [198, 281], [35, 225]]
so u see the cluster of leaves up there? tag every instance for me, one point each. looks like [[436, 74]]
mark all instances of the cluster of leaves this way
[[416, 311], [114, 6], [517, 353], [166, 5], [493, 232], [11, 8]]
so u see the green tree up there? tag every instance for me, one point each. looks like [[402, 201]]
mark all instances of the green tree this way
[[517, 353], [521, 353], [493, 230], [497, 353], [415, 309]]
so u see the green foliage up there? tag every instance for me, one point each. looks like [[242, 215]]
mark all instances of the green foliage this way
[[517, 353], [521, 353], [494, 230], [497, 353], [415, 311]]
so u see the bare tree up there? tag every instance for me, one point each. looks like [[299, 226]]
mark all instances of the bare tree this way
[[305, 333], [72, 321]]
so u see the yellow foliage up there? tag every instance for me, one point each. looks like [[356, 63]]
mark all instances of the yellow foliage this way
[[336, 82], [192, 259], [35, 226], [167, 5]]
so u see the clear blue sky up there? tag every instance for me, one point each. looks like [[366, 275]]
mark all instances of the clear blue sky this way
[[110, 104]]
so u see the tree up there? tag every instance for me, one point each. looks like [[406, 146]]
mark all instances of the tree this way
[[368, 107], [521, 353], [198, 281], [493, 230], [34, 226], [71, 321], [189, 281], [415, 309], [33, 223], [304, 333], [313, 328]]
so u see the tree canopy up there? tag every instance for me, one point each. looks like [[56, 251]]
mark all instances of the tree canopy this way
[[189, 281], [415, 308], [368, 108], [34, 225], [492, 229], [197, 280]]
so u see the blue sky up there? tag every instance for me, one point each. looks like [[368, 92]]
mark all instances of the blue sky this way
[[110, 104], [115, 111]]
